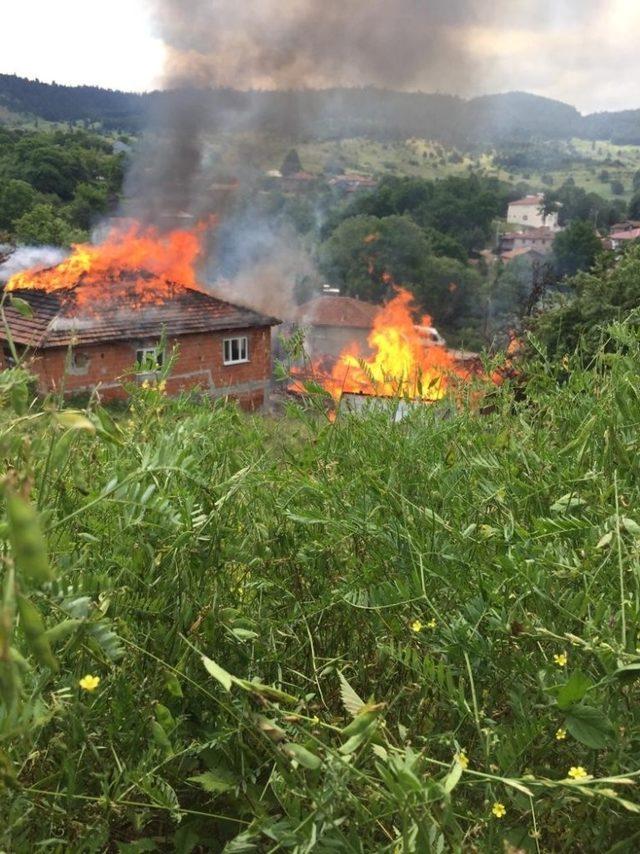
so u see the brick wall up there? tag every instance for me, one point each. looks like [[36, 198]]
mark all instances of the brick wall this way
[[199, 365]]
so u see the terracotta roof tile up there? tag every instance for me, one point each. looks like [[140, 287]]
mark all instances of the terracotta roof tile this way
[[59, 320], [338, 311], [631, 234], [528, 201]]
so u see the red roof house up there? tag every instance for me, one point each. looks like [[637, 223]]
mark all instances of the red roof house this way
[[334, 322], [77, 342]]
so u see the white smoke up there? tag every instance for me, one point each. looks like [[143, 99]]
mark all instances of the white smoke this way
[[29, 258]]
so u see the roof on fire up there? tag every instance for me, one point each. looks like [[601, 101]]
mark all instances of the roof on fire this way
[[57, 319], [338, 311]]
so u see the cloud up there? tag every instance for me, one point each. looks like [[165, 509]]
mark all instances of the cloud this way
[[581, 51], [574, 53]]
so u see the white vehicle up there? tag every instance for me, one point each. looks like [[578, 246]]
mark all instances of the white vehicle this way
[[430, 336]]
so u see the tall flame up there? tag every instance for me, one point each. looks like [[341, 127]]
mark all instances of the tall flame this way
[[148, 262], [405, 361]]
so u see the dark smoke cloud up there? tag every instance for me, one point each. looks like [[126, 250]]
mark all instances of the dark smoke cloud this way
[[322, 43], [271, 44], [315, 43], [297, 45]]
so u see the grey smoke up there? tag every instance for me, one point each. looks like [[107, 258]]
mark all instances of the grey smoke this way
[[324, 43], [294, 44], [270, 44], [30, 258]]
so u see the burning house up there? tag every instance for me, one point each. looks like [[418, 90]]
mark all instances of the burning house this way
[[117, 311], [405, 357], [333, 322]]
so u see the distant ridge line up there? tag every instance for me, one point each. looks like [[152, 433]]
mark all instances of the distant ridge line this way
[[328, 113]]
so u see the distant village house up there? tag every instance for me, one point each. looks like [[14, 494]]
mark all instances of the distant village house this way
[[352, 183], [529, 212], [535, 243], [623, 233]]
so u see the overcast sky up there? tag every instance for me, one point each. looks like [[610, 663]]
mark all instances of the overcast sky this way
[[584, 52]]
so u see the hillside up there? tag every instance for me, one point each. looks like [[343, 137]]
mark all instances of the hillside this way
[[336, 113]]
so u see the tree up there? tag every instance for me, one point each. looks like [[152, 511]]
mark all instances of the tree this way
[[636, 181], [462, 208], [366, 255], [88, 203], [576, 248], [49, 168], [634, 207], [450, 292], [610, 292], [291, 163], [604, 176], [617, 188], [364, 250], [574, 203], [43, 226], [16, 198]]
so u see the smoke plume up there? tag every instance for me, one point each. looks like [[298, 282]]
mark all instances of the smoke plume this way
[[29, 258], [291, 45], [268, 44]]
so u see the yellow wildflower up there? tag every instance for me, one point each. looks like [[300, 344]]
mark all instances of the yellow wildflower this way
[[499, 810], [577, 772], [145, 384], [561, 734], [462, 758], [89, 683], [162, 386], [432, 624], [561, 660], [416, 626]]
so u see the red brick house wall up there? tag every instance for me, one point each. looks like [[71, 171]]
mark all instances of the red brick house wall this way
[[199, 366]]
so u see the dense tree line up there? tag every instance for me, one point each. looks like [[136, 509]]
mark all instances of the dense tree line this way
[[335, 113], [57, 103], [575, 203], [53, 186], [576, 319]]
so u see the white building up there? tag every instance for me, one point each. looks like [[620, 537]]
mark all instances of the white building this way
[[529, 212]]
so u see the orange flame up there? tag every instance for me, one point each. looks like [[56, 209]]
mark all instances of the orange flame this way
[[405, 361], [139, 259]]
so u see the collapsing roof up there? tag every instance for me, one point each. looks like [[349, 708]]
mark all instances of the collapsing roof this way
[[63, 317]]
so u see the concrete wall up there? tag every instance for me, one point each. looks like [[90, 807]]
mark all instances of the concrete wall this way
[[531, 216], [199, 366], [333, 340]]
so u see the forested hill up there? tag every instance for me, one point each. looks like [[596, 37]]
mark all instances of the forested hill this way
[[57, 103], [334, 113]]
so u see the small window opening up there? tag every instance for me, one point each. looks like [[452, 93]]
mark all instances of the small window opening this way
[[236, 350]]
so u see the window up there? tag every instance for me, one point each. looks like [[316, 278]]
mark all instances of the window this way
[[236, 350], [79, 362], [149, 359]]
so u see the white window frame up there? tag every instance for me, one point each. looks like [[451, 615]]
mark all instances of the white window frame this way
[[243, 350], [148, 354]]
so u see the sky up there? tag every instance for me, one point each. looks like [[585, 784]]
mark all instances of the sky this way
[[583, 52]]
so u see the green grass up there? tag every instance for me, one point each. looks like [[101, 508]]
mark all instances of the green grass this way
[[427, 159], [244, 587]]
